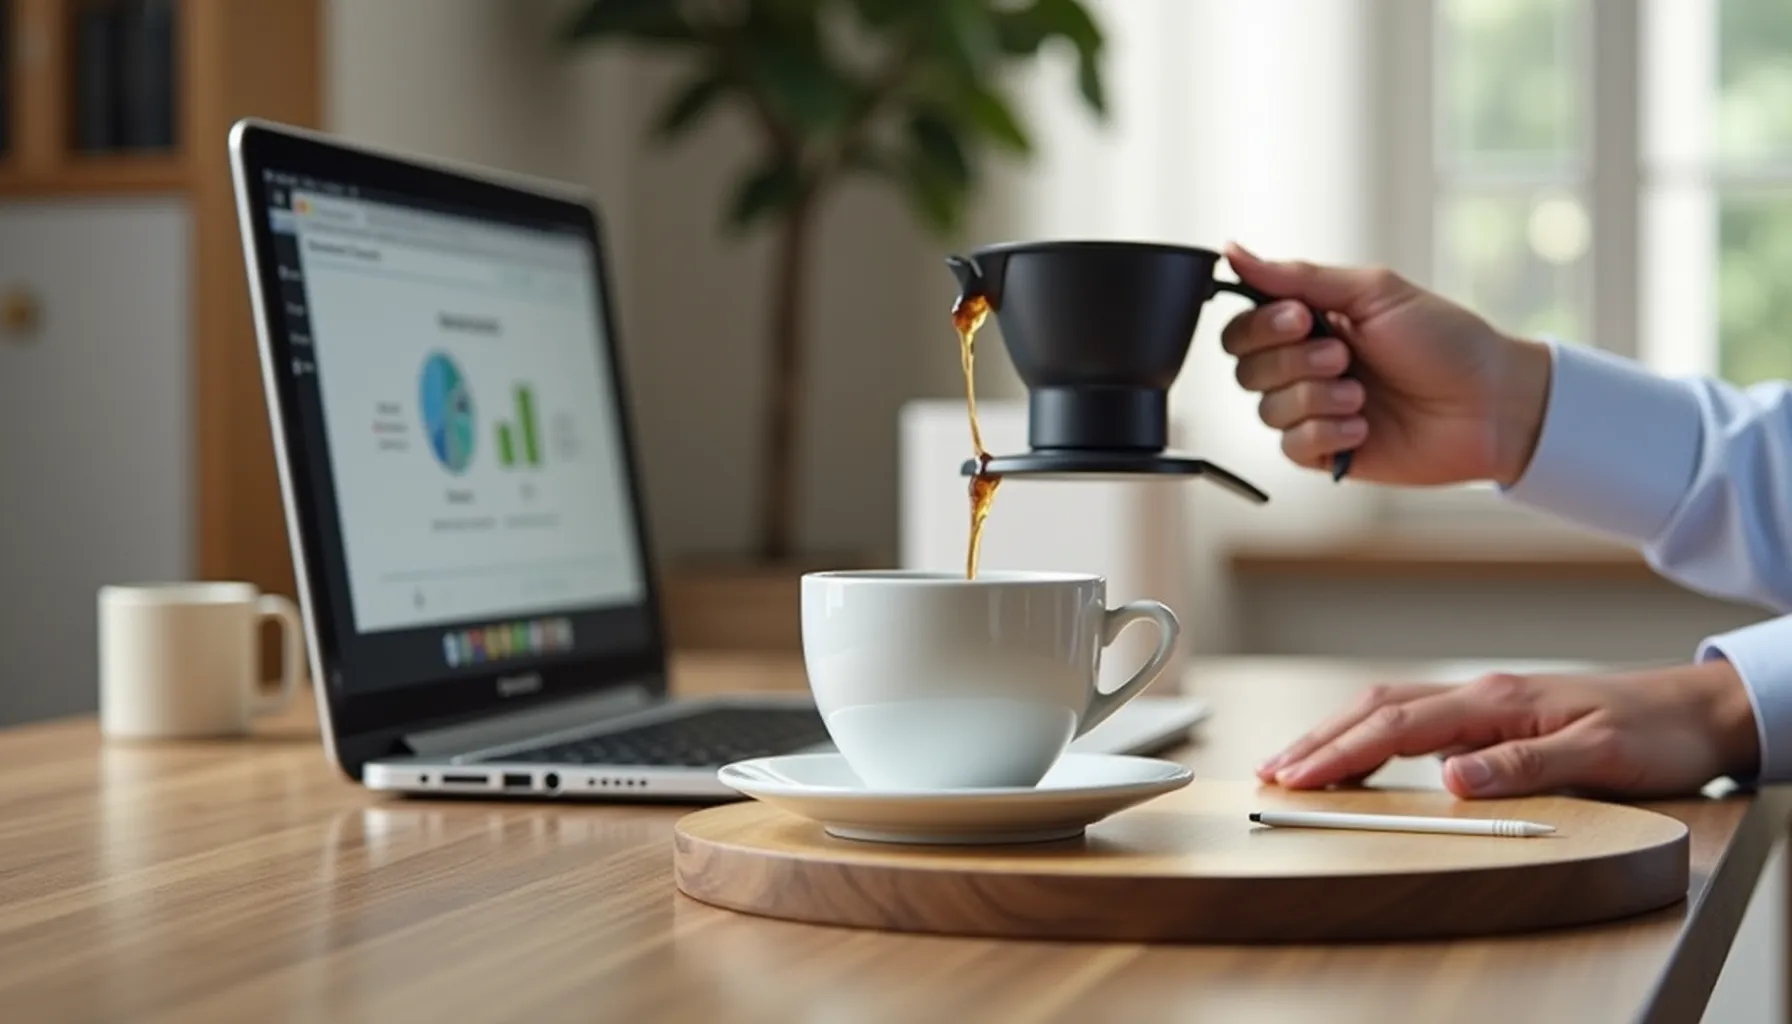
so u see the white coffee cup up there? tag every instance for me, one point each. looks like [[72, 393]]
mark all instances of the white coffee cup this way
[[183, 660], [927, 680]]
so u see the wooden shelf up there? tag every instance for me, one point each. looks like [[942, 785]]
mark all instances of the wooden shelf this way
[[100, 175], [45, 73], [228, 59], [1445, 560]]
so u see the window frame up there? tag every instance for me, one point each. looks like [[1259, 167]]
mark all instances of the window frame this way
[[1610, 182]]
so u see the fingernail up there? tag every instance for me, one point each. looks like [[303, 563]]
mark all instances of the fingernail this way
[[1286, 318], [1322, 357], [1473, 771], [1269, 766], [1290, 775], [1352, 430], [1344, 392]]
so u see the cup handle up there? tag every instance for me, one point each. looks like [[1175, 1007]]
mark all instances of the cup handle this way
[[1101, 705], [292, 651], [1321, 329]]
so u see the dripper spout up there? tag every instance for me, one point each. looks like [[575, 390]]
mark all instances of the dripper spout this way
[[978, 276], [970, 279], [965, 269]]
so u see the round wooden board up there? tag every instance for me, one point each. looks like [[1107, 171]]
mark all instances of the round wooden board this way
[[1191, 867]]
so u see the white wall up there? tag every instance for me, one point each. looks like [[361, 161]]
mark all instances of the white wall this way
[[459, 79]]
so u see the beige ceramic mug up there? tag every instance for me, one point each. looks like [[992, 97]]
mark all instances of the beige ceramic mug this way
[[183, 660]]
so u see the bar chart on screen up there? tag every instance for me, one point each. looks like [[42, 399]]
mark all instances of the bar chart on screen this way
[[519, 440]]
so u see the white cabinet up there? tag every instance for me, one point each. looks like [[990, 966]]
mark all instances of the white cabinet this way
[[95, 431]]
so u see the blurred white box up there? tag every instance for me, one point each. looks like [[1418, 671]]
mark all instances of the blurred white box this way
[[1130, 532]]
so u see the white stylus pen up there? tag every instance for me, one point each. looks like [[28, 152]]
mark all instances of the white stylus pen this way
[[1402, 823]]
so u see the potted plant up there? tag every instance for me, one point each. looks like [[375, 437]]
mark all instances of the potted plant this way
[[907, 91]]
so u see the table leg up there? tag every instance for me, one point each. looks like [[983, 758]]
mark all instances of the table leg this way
[[1786, 927]]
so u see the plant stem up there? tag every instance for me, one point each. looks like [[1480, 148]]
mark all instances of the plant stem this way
[[788, 387], [789, 371]]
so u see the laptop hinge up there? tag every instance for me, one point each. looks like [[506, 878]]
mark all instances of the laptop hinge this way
[[539, 722]]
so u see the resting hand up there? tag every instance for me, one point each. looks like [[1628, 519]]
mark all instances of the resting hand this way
[[1659, 732]]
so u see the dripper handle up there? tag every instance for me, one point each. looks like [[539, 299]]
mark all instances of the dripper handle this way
[[1321, 329]]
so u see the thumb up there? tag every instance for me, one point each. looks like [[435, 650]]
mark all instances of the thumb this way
[[1524, 767], [1357, 292]]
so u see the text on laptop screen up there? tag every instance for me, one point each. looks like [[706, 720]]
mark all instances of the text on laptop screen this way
[[467, 408]]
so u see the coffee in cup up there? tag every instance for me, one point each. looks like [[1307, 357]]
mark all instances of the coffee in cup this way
[[183, 660], [929, 680]]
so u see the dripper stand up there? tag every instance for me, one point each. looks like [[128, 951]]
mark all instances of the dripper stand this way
[[1073, 465]]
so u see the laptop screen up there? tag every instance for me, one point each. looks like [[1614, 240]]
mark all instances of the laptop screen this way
[[462, 437]]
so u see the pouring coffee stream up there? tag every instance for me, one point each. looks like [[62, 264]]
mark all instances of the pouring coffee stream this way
[[968, 314], [1098, 331]]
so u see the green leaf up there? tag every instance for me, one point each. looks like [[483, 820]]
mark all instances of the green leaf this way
[[1071, 21], [939, 201], [651, 20], [935, 193], [1020, 32], [764, 191], [964, 33], [792, 73], [994, 117], [882, 13], [1088, 81], [688, 104], [936, 142]]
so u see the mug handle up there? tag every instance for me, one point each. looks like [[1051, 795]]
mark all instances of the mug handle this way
[[1101, 705], [292, 651], [1321, 329]]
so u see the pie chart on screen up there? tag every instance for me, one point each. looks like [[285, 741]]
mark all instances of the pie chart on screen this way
[[447, 412]]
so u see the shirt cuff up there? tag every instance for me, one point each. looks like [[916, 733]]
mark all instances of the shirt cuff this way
[[1618, 447], [1762, 656]]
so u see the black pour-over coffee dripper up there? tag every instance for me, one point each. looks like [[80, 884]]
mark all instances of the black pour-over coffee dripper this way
[[1098, 331]]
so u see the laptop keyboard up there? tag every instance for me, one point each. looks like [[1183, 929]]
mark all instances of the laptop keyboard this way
[[702, 739]]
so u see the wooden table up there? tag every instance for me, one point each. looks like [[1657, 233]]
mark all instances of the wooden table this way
[[248, 881]]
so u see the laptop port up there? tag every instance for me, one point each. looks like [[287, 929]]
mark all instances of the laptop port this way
[[516, 780], [463, 780], [551, 781]]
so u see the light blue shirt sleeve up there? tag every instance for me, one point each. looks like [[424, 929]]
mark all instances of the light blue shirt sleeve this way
[[1697, 475]]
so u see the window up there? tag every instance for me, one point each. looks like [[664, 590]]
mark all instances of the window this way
[[1608, 172], [1511, 161], [1716, 181]]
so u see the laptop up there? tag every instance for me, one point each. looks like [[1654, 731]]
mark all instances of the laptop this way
[[463, 500]]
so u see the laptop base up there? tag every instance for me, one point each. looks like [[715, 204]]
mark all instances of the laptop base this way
[[1145, 725]]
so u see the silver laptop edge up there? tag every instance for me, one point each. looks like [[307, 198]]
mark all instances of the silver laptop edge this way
[[270, 389]]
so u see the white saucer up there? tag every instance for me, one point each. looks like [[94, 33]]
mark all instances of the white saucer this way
[[1080, 790]]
